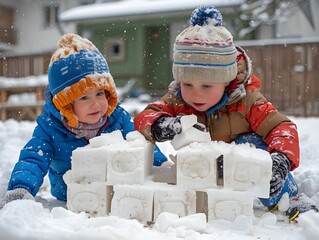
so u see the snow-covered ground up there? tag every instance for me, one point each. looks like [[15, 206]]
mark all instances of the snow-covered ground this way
[[48, 218]]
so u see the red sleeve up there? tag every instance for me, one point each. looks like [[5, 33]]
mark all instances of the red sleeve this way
[[284, 138], [279, 133], [151, 113]]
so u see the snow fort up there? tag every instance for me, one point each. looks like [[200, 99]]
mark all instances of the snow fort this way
[[114, 176]]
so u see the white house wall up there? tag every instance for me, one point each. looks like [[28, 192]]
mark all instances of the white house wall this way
[[297, 26], [32, 37]]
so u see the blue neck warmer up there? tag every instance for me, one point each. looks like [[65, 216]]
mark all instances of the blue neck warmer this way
[[211, 110]]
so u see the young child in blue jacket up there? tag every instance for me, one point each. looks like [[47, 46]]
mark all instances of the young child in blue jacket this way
[[81, 103]]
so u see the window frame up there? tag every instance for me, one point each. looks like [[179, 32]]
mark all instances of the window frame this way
[[110, 54], [50, 14]]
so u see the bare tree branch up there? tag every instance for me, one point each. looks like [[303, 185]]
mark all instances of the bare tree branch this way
[[258, 12]]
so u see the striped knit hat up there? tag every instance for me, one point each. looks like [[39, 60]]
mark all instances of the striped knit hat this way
[[205, 51], [76, 68]]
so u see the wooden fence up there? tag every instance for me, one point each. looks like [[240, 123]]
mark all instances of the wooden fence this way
[[289, 72], [23, 66], [17, 67], [22, 110]]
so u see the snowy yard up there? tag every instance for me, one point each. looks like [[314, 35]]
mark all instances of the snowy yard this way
[[48, 218]]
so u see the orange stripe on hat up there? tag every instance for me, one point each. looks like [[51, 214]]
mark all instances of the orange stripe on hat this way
[[63, 100]]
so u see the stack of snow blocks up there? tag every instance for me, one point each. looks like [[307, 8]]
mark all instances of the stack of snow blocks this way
[[113, 176], [226, 177], [106, 161]]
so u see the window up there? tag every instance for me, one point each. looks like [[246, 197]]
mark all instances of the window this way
[[115, 49], [7, 29], [50, 15]]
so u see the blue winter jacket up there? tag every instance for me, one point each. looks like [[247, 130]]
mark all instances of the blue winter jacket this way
[[50, 150]]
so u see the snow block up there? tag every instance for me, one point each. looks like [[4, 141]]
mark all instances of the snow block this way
[[129, 165], [107, 139], [247, 168], [89, 164], [133, 202], [189, 134], [227, 204], [174, 200], [222, 165], [93, 198], [197, 168]]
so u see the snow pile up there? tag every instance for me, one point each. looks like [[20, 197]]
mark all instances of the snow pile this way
[[48, 218], [29, 81]]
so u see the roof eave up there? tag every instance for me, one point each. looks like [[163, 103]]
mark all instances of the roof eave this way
[[121, 9]]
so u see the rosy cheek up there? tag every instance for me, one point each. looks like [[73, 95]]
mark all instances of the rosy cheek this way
[[186, 95]]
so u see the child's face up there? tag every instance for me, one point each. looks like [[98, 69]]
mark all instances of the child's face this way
[[202, 95], [90, 107]]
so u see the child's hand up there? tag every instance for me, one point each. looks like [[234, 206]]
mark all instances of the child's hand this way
[[280, 169], [18, 193], [165, 128]]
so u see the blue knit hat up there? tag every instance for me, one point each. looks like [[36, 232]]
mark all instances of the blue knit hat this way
[[76, 68], [205, 51]]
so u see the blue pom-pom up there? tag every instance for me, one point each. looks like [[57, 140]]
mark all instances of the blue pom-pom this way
[[206, 15]]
